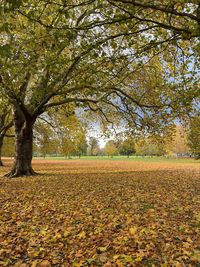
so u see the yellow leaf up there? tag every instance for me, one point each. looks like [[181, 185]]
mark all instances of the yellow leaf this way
[[66, 233], [132, 230], [119, 263], [43, 232], [138, 259], [151, 210], [58, 236], [82, 234], [34, 254], [14, 216], [128, 258], [78, 264]]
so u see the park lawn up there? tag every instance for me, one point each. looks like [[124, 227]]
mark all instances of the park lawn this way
[[125, 158], [101, 213]]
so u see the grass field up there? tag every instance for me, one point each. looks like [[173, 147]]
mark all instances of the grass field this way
[[134, 212], [131, 158]]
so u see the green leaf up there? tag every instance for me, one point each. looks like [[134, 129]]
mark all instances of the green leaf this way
[[5, 51]]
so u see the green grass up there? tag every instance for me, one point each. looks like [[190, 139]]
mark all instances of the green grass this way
[[125, 158]]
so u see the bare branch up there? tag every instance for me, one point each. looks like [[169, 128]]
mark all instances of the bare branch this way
[[48, 122]]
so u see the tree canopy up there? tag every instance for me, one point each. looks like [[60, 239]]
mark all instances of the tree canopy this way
[[194, 136], [86, 51], [127, 147], [127, 61]]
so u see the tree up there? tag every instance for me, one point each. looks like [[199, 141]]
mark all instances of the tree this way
[[127, 147], [194, 136], [175, 141], [45, 138], [111, 148], [81, 145], [179, 143], [8, 144], [89, 53], [149, 147], [71, 133], [5, 124], [170, 22], [60, 131], [94, 148]]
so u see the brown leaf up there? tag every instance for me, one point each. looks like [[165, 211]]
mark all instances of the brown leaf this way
[[45, 263]]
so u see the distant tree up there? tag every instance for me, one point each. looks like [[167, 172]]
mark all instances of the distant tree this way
[[8, 148], [111, 148], [67, 147], [127, 147], [81, 145], [45, 138], [149, 147], [94, 148], [60, 131], [179, 143], [5, 124], [71, 132], [194, 136]]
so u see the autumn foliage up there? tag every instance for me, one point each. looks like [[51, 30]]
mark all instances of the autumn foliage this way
[[101, 213]]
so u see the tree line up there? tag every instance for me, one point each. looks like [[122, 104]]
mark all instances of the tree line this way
[[71, 138]]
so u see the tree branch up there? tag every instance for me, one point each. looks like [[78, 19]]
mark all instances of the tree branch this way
[[159, 8]]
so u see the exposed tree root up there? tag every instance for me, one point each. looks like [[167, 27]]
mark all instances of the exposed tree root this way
[[19, 173]]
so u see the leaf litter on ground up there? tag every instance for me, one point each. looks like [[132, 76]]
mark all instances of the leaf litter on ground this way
[[101, 213]]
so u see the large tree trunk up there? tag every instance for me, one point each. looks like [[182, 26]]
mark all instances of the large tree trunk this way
[[22, 165], [1, 145]]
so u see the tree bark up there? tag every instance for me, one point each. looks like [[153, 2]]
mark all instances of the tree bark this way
[[22, 165]]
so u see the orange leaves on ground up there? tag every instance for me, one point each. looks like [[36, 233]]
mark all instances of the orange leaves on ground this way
[[101, 213]]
